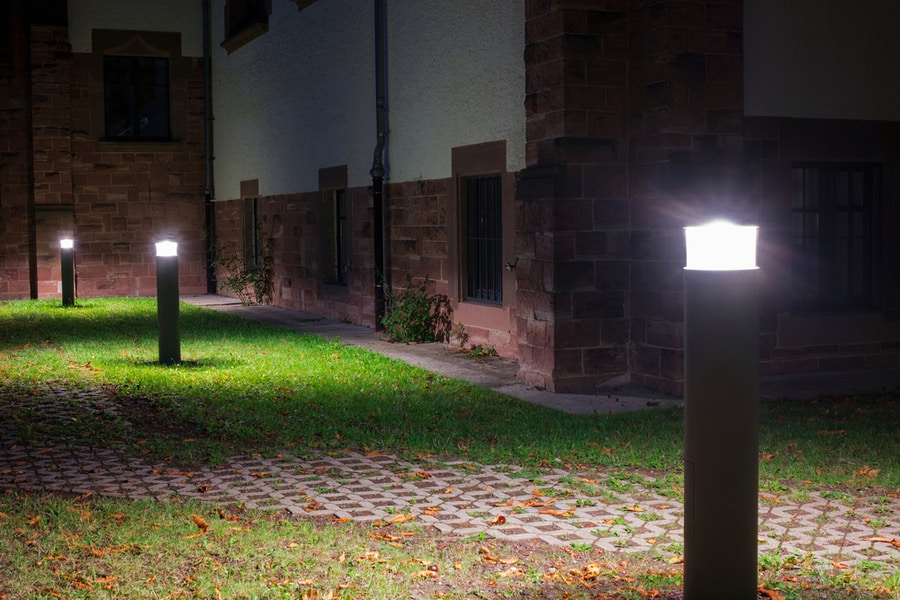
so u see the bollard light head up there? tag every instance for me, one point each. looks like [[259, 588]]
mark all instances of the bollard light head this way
[[167, 248], [67, 243], [721, 246]]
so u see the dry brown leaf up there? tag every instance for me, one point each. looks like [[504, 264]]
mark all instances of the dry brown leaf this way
[[880, 538], [201, 524], [401, 518], [498, 520], [426, 574], [557, 513], [770, 594], [538, 503]]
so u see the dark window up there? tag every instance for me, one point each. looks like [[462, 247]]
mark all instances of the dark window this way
[[136, 97], [251, 234], [833, 210], [336, 236], [482, 244]]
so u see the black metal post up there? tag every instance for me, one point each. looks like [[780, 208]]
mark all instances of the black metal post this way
[[67, 264], [721, 434], [167, 308]]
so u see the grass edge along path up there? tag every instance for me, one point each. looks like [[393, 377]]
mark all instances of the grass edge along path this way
[[89, 547], [245, 385]]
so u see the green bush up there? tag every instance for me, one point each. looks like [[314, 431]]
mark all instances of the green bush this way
[[252, 284], [414, 315]]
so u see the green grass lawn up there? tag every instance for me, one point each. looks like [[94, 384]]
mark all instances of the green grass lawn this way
[[247, 388]]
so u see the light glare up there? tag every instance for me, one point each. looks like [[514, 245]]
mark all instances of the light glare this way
[[167, 248], [721, 246], [66, 243]]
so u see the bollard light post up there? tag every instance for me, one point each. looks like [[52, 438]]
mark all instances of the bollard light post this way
[[721, 412], [67, 262], [167, 302]]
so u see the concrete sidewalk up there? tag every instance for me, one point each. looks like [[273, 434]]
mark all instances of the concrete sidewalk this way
[[500, 374]]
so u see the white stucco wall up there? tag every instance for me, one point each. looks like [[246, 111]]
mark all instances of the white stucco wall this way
[[298, 98], [184, 16], [302, 96], [456, 77], [822, 59]]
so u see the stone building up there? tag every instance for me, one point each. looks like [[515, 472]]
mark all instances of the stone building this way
[[535, 160]]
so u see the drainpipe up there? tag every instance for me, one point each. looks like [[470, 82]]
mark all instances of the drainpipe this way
[[211, 284], [378, 169], [25, 21]]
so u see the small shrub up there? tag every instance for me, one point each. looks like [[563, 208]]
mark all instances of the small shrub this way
[[252, 284], [416, 316]]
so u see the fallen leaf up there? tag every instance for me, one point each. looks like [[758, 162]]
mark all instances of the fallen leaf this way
[[839, 565], [866, 472], [85, 515], [401, 518], [538, 503], [636, 509], [892, 541], [557, 513], [201, 524], [498, 520], [770, 594]]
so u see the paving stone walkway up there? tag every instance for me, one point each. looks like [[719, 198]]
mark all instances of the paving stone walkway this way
[[555, 505]]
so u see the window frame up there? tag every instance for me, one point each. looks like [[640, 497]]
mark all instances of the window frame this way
[[481, 244], [336, 236], [133, 88], [250, 208], [834, 236], [154, 44]]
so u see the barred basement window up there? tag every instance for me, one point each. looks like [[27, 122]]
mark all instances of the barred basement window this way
[[136, 97], [335, 236], [834, 235], [482, 242], [251, 233]]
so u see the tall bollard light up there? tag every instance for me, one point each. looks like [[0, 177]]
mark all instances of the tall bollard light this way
[[167, 302], [721, 412], [67, 263]]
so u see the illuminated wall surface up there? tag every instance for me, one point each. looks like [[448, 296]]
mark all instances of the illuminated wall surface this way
[[301, 96]]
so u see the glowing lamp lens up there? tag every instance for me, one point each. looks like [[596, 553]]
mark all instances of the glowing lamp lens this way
[[721, 246], [167, 248]]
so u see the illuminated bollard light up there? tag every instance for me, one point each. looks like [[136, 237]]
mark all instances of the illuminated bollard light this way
[[167, 302], [67, 263], [721, 412]]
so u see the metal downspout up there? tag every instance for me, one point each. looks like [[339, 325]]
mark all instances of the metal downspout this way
[[210, 214], [378, 170]]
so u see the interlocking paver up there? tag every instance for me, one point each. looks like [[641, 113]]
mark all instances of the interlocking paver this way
[[454, 497]]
